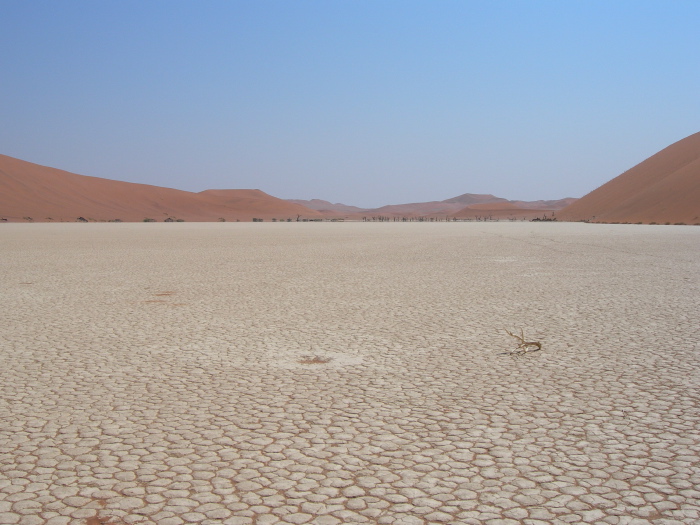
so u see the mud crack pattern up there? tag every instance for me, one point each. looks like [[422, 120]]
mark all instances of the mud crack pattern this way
[[348, 373]]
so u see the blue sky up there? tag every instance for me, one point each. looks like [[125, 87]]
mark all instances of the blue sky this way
[[361, 102]]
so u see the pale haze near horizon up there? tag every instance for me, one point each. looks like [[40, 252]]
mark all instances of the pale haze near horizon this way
[[365, 103]]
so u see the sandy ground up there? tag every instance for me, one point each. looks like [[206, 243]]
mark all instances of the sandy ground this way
[[334, 373]]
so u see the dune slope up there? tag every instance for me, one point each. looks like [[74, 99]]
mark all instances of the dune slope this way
[[49, 194], [665, 188]]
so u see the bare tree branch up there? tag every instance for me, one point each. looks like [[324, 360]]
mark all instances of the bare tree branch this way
[[523, 345]]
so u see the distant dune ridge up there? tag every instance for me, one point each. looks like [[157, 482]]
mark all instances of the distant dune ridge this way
[[46, 194], [665, 188], [325, 206], [467, 205]]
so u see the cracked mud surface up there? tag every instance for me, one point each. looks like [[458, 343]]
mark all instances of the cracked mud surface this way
[[349, 373]]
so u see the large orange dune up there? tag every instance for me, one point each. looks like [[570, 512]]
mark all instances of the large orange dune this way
[[47, 194], [665, 188]]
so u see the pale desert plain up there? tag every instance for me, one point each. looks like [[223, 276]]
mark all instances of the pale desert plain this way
[[330, 373]]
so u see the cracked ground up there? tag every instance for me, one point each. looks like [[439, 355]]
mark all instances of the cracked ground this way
[[331, 373]]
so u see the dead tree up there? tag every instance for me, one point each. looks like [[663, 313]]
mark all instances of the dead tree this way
[[524, 346]]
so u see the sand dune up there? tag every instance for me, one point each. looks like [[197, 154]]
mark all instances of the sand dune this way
[[466, 205], [468, 199], [49, 194], [328, 207], [435, 208], [470, 205], [258, 202], [665, 188], [503, 210], [417, 209], [557, 204]]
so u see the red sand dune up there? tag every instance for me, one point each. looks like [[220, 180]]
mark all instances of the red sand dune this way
[[416, 209], [255, 201], [469, 205], [464, 206], [468, 199], [665, 188], [49, 194], [434, 208], [328, 207], [545, 205], [503, 210]]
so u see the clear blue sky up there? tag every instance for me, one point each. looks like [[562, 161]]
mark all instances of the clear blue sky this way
[[361, 102]]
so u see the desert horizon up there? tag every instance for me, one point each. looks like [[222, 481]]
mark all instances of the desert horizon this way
[[38, 193], [663, 189]]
